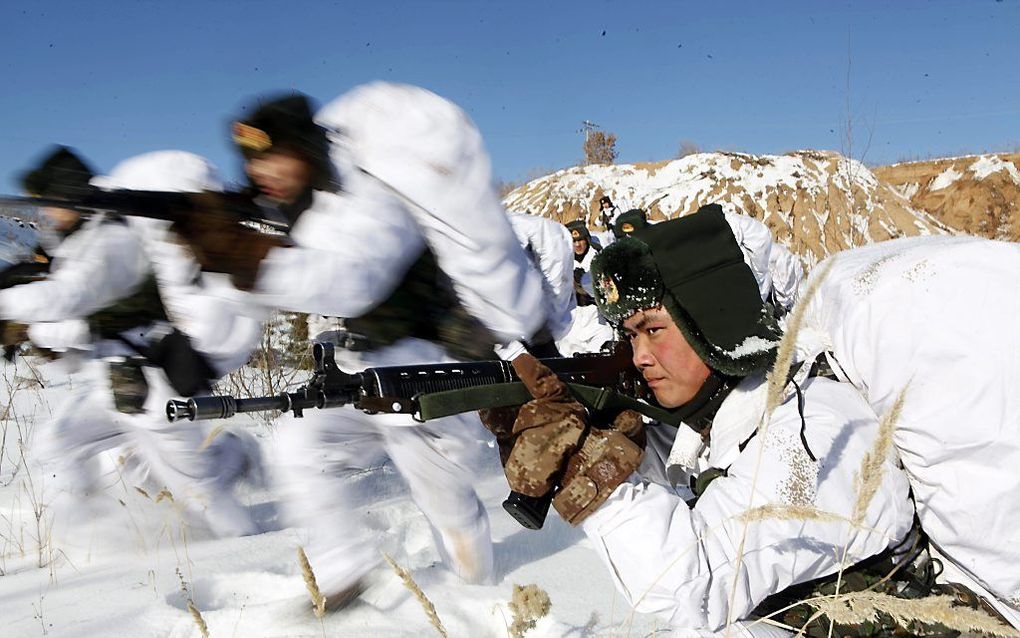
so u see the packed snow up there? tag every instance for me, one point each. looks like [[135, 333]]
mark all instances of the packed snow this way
[[133, 568]]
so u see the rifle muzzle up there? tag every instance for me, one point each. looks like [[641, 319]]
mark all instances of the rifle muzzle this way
[[201, 408]]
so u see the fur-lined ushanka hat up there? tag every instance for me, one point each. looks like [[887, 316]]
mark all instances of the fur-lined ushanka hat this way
[[286, 120], [694, 268], [61, 174], [629, 222], [578, 230]]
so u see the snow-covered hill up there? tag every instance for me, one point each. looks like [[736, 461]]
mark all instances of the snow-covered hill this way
[[976, 194], [815, 202]]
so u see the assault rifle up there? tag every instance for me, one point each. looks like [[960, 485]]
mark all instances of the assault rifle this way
[[604, 383], [168, 206]]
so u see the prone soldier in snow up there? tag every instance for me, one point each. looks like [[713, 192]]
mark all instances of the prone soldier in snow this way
[[773, 485]]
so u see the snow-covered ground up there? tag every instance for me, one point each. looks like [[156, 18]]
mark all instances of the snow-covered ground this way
[[134, 567]]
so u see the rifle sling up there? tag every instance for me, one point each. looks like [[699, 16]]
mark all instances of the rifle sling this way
[[440, 404]]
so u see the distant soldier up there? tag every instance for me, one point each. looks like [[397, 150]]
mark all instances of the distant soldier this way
[[584, 252], [627, 223], [607, 211]]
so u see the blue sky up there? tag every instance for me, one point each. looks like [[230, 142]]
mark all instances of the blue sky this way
[[925, 78]]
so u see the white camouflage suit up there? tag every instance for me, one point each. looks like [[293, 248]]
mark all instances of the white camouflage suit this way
[[694, 565], [575, 329], [900, 316], [936, 318], [415, 174], [95, 266]]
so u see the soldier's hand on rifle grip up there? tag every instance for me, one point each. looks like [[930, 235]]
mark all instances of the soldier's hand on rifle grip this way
[[548, 443], [221, 243]]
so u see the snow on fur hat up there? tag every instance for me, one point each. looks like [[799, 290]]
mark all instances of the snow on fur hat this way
[[629, 222], [694, 268], [171, 171], [286, 121], [60, 174], [579, 230]]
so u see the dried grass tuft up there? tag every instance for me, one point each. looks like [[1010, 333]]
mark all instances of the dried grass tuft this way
[[318, 600], [784, 358], [860, 607], [528, 604], [788, 513], [426, 604], [209, 438], [869, 476], [196, 615]]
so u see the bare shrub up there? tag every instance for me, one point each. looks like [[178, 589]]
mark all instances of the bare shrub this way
[[600, 148], [687, 147]]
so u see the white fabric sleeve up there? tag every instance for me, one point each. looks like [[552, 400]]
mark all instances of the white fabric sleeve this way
[[428, 151], [682, 563], [352, 251], [61, 336], [787, 271], [552, 247], [108, 263], [755, 242]]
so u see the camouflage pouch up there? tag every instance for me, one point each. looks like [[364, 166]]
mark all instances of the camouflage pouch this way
[[130, 389]]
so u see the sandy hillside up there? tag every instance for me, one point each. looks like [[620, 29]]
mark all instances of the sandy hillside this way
[[977, 194], [816, 202]]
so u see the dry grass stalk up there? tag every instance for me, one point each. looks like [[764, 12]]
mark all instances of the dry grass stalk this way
[[164, 494], [775, 383], [788, 513], [318, 600], [784, 358], [426, 604], [869, 476], [196, 615], [859, 607], [209, 438], [528, 604]]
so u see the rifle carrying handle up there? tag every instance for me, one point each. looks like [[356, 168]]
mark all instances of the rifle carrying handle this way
[[529, 511]]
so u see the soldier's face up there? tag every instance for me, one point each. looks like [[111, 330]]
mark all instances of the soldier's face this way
[[671, 368], [580, 245], [61, 219], [282, 175]]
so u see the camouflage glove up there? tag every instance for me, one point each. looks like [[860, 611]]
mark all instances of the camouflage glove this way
[[222, 244], [606, 458], [547, 443], [537, 438]]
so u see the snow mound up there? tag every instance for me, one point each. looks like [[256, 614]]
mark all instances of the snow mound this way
[[815, 202]]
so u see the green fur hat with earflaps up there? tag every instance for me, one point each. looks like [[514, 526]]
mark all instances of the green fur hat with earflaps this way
[[694, 268]]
